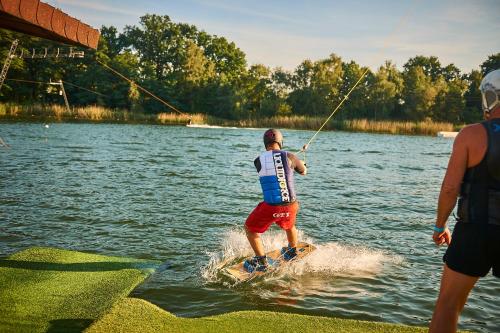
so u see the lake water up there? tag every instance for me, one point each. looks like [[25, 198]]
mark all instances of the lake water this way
[[181, 195]]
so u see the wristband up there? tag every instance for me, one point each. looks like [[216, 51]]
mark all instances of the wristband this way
[[437, 229]]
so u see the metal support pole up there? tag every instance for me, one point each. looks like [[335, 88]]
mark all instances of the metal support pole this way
[[65, 97], [8, 61]]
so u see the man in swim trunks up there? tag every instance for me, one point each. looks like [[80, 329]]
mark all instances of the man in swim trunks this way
[[473, 174], [280, 206]]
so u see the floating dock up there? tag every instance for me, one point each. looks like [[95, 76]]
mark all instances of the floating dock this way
[[447, 134]]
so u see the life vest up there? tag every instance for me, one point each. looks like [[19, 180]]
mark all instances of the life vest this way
[[276, 177], [479, 200]]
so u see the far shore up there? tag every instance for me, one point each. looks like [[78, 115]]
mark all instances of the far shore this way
[[97, 114]]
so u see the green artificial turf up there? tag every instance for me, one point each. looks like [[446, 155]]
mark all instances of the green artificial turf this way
[[136, 315], [52, 290]]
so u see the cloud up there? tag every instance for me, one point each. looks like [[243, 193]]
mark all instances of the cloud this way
[[98, 6], [284, 34], [469, 12], [273, 47], [247, 11]]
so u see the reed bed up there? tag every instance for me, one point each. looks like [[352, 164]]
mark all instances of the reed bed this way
[[95, 113], [90, 113], [354, 125], [176, 118], [395, 127]]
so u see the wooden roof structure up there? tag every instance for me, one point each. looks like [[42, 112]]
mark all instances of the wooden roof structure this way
[[39, 19]]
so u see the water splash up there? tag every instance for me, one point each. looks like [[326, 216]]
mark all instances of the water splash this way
[[329, 260], [337, 259]]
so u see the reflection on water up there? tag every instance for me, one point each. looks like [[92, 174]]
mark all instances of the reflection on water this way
[[181, 195]]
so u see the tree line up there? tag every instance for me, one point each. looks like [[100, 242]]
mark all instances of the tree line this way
[[202, 73]]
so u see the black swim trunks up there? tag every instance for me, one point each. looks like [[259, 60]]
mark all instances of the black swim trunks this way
[[474, 249]]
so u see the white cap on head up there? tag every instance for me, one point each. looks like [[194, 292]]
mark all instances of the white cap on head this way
[[490, 90]]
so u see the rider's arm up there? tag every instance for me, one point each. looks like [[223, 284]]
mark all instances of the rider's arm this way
[[257, 164], [297, 164]]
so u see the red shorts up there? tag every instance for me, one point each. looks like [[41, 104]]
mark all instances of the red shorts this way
[[261, 218]]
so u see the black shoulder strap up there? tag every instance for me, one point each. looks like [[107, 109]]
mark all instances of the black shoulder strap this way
[[493, 157]]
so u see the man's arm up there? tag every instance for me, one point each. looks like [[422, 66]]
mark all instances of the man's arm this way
[[257, 164], [450, 189], [297, 164]]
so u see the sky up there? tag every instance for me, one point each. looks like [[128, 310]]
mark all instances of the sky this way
[[283, 33]]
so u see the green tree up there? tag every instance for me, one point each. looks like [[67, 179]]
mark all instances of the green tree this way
[[473, 110], [490, 64], [196, 71], [424, 81], [256, 90], [385, 92], [317, 86], [134, 98], [430, 66], [451, 73], [111, 42], [195, 68], [419, 94], [357, 105], [450, 103], [221, 100], [158, 42], [280, 87], [229, 60]]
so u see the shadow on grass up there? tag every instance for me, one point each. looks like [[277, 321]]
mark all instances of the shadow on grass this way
[[77, 267], [68, 325]]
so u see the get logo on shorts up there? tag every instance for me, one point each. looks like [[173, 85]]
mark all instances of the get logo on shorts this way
[[285, 214]]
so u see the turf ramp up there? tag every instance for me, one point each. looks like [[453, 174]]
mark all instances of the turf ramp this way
[[136, 315], [54, 290]]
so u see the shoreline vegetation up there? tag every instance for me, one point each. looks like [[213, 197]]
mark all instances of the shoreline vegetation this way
[[194, 71], [97, 114]]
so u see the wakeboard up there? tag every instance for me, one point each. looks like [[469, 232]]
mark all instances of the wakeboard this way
[[239, 273]]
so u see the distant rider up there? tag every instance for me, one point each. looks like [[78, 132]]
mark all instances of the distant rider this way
[[275, 167], [474, 174]]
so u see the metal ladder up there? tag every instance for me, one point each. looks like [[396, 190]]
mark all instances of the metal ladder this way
[[8, 61]]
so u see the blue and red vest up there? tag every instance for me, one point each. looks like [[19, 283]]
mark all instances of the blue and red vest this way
[[276, 177]]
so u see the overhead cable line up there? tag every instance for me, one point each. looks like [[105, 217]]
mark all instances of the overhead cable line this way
[[141, 88], [26, 81], [65, 82], [90, 91]]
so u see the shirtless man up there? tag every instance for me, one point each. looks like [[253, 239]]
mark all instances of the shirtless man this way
[[473, 174], [280, 206]]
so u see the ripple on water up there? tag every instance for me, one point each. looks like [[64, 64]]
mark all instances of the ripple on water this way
[[177, 193]]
